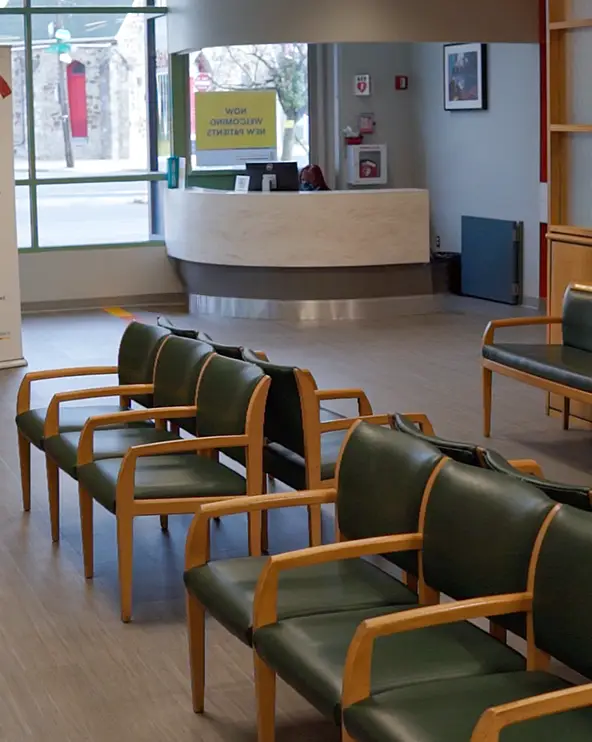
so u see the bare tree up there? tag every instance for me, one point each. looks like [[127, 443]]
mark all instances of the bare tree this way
[[283, 67]]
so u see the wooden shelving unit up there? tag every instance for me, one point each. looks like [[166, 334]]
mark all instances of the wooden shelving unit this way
[[570, 245]]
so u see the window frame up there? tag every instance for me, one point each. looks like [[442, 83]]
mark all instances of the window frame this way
[[150, 8]]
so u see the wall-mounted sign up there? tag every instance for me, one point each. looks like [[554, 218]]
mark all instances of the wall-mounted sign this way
[[235, 121], [401, 82], [366, 123], [203, 82], [362, 85]]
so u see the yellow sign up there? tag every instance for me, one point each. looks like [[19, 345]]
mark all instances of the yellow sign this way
[[244, 119]]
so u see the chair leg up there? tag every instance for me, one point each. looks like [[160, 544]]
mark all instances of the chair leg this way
[[125, 543], [24, 447], [566, 412], [164, 522], [487, 394], [264, 532], [314, 525], [498, 632], [255, 537], [265, 694], [196, 630], [86, 530], [53, 489]]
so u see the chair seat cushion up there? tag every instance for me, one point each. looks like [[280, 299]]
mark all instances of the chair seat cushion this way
[[72, 417], [170, 476], [559, 363], [447, 711], [227, 589], [309, 653], [107, 444]]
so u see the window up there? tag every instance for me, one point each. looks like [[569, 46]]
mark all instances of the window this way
[[87, 149], [249, 103]]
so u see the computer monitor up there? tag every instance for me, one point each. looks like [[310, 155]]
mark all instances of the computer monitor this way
[[273, 176]]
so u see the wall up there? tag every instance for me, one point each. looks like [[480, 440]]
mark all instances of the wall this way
[[483, 163], [394, 111], [196, 24], [94, 274]]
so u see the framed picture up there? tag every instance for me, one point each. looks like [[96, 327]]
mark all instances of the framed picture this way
[[465, 77]]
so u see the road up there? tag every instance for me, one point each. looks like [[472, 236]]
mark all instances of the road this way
[[86, 213]]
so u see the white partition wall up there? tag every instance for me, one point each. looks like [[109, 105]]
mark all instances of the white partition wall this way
[[11, 350]]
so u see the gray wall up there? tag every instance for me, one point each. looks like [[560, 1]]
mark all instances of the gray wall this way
[[394, 111], [483, 163], [194, 24]]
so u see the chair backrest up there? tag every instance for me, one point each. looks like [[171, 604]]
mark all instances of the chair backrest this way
[[223, 396], [569, 494], [466, 453], [283, 413], [381, 482], [178, 368], [228, 351], [181, 332], [479, 533], [563, 590], [577, 317], [138, 351]]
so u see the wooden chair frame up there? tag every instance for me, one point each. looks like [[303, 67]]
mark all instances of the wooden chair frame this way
[[23, 404], [127, 508], [197, 554], [358, 666], [552, 387]]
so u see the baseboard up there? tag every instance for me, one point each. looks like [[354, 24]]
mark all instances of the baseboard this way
[[533, 302], [76, 305]]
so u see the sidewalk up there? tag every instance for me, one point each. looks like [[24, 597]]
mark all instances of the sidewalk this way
[[82, 168]]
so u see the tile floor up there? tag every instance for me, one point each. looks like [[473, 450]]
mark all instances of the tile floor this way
[[69, 670]]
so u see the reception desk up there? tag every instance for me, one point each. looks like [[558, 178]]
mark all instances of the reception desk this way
[[293, 254]]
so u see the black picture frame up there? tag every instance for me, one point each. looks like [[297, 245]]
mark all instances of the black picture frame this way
[[465, 90]]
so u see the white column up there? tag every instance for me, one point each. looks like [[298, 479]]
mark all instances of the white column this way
[[11, 347]]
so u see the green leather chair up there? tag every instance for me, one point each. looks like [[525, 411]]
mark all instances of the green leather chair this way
[[138, 351], [303, 438], [380, 485], [222, 349], [161, 479], [477, 533], [465, 453], [519, 706], [569, 494], [177, 370]]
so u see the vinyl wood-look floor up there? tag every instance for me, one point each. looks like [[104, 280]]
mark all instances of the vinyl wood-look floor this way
[[69, 670]]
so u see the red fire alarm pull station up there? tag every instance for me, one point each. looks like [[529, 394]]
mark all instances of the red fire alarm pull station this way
[[401, 82]]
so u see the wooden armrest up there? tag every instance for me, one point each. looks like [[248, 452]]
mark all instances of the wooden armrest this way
[[265, 606], [527, 466], [423, 421], [364, 406], [516, 322], [345, 423], [23, 402], [85, 444], [196, 547], [358, 664], [493, 721], [52, 418]]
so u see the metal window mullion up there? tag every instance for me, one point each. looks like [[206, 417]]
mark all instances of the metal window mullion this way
[[30, 123]]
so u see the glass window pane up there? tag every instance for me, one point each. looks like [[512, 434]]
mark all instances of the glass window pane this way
[[230, 108], [23, 216], [163, 95], [89, 88], [93, 214], [12, 32]]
